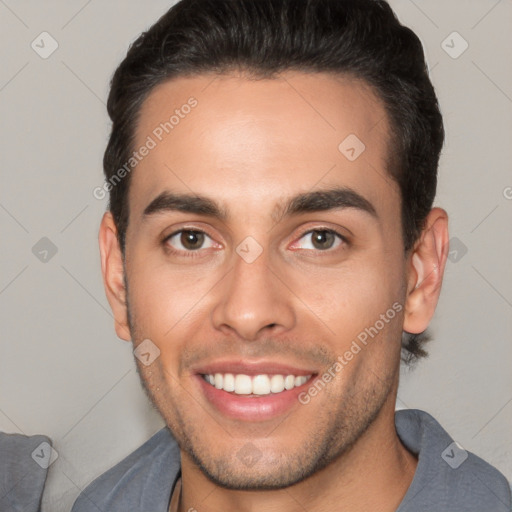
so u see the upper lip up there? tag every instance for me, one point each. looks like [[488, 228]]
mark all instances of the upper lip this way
[[251, 368]]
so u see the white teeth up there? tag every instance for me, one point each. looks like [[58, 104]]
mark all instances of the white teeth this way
[[289, 382], [229, 382], [262, 384], [300, 380], [277, 383], [243, 385]]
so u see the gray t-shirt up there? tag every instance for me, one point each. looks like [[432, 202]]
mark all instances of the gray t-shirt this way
[[24, 462], [447, 478]]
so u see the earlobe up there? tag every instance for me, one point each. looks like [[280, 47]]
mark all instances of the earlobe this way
[[113, 274], [425, 272]]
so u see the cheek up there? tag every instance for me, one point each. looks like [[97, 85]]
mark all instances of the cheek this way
[[163, 299], [353, 296]]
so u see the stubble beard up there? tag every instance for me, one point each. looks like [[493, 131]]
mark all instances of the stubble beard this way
[[346, 422]]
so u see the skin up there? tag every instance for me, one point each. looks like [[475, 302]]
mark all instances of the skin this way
[[249, 146]]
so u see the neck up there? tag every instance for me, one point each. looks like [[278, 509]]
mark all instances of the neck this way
[[373, 475]]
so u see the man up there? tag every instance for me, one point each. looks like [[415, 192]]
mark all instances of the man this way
[[272, 250]]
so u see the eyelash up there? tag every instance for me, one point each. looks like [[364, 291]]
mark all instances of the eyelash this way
[[197, 253], [344, 241], [186, 254]]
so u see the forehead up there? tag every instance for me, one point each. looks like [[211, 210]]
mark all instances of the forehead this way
[[246, 141]]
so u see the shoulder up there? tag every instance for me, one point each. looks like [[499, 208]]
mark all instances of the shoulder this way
[[447, 475], [24, 462], [141, 481]]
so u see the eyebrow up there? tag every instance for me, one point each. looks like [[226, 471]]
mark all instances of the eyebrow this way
[[188, 203], [315, 201], [331, 199]]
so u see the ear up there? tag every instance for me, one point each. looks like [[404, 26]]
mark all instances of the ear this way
[[426, 265], [113, 274]]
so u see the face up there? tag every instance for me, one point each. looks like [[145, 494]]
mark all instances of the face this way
[[263, 244]]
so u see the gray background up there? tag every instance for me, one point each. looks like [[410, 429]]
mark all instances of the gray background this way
[[64, 373]]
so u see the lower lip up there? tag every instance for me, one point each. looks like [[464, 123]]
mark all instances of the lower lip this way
[[252, 408]]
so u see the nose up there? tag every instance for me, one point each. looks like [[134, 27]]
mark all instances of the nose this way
[[253, 301]]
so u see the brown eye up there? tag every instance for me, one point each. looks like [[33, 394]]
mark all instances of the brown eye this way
[[322, 239], [192, 240], [188, 240]]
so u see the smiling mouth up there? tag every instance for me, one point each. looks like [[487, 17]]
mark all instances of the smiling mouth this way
[[256, 385]]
